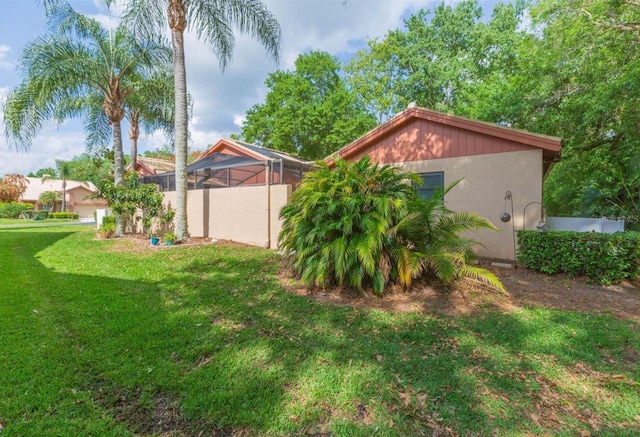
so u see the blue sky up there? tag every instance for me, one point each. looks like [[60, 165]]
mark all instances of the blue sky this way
[[220, 100]]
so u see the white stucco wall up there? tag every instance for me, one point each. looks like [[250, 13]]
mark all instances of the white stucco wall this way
[[237, 213], [486, 179]]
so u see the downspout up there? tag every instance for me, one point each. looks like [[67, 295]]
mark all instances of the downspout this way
[[267, 179]]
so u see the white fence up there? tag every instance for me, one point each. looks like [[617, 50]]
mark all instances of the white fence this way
[[584, 224]]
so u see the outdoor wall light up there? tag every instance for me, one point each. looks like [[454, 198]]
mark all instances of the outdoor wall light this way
[[505, 216]]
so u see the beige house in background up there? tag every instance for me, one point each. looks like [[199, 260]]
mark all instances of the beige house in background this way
[[236, 191], [78, 196], [491, 160], [146, 166]]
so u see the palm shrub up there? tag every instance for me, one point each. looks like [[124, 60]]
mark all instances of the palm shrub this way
[[362, 225]]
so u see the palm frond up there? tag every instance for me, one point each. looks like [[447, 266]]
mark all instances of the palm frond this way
[[478, 274], [213, 22]]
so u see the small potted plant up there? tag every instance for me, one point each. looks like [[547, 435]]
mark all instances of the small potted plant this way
[[154, 240], [170, 238]]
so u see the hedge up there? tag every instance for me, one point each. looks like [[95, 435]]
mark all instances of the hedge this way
[[64, 215], [14, 209], [604, 258], [34, 215]]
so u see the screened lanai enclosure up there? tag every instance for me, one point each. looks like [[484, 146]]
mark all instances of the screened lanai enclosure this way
[[236, 192], [221, 170]]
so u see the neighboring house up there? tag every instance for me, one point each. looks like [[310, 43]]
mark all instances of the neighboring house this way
[[236, 191], [78, 195], [492, 160], [152, 166]]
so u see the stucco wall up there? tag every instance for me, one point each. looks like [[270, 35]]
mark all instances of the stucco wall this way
[[486, 180], [237, 213]]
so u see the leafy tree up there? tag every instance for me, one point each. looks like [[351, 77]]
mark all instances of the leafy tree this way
[[362, 225], [94, 168], [441, 60], [126, 200], [41, 172], [163, 152], [76, 65], [575, 77], [12, 187], [49, 199], [212, 22], [309, 111]]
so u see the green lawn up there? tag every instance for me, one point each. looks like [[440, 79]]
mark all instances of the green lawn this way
[[6, 223], [98, 338]]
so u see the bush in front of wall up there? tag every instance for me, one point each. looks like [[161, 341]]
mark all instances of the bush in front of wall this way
[[107, 230], [14, 209], [65, 215], [361, 225], [604, 258]]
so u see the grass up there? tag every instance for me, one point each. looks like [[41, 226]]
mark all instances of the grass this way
[[6, 223], [99, 338]]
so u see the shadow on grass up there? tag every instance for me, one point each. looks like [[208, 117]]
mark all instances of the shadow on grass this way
[[214, 344]]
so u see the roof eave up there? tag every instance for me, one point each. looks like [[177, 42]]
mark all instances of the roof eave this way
[[544, 142]]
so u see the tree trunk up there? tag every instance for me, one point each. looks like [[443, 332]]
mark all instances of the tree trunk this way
[[181, 133], [64, 195], [134, 134], [118, 169]]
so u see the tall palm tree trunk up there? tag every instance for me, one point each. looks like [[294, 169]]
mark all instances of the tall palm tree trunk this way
[[118, 169], [134, 134], [177, 22]]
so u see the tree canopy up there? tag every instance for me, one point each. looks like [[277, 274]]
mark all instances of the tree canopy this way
[[573, 73], [309, 111]]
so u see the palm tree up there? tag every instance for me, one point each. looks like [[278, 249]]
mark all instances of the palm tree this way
[[362, 225], [50, 199], [213, 22], [66, 72], [150, 105], [63, 169]]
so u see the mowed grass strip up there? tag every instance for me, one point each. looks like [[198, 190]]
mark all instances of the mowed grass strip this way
[[102, 337]]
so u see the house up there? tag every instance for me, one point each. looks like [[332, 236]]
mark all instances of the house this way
[[236, 191], [146, 166], [502, 169], [78, 195]]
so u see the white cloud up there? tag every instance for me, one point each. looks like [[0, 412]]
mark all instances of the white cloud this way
[[221, 99], [307, 25], [238, 119], [4, 63], [48, 147]]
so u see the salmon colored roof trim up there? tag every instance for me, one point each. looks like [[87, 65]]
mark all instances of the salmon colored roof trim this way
[[550, 145], [249, 150]]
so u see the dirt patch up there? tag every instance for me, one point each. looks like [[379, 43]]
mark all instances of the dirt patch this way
[[524, 288], [138, 242]]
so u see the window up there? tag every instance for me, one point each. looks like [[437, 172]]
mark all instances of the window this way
[[430, 181]]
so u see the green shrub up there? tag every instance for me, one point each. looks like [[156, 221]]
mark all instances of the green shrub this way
[[604, 258], [34, 215], [65, 215], [107, 230], [361, 225], [109, 219], [14, 209]]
